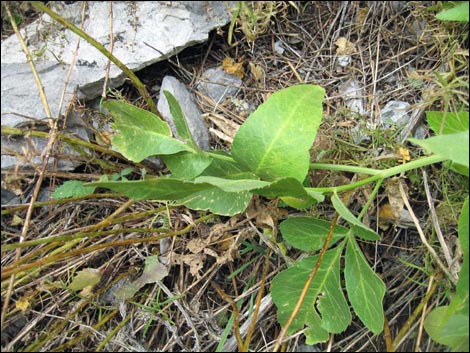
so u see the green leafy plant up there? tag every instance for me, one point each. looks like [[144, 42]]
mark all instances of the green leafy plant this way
[[270, 157], [457, 13]]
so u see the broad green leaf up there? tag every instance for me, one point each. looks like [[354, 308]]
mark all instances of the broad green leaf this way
[[292, 193], [141, 134], [181, 124], [187, 165], [218, 201], [308, 233], [448, 328], [87, 277], [198, 196], [324, 309], [455, 331], [434, 323], [72, 188], [365, 289], [275, 140], [359, 228], [129, 114], [447, 123], [451, 146], [232, 185], [154, 189], [458, 13], [228, 169]]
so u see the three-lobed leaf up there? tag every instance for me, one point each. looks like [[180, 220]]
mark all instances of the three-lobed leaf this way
[[324, 309], [275, 140]]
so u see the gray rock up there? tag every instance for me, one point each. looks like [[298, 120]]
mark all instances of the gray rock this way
[[189, 108], [394, 114], [30, 148], [351, 92], [218, 84], [145, 32]]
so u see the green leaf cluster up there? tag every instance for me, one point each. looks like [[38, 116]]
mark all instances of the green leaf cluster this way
[[458, 13], [325, 309], [263, 159], [270, 157]]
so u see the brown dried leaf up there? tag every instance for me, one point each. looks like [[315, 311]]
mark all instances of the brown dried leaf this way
[[228, 127], [232, 67], [256, 71], [345, 47], [194, 261]]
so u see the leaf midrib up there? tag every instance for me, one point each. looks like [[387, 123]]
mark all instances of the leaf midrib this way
[[279, 131]]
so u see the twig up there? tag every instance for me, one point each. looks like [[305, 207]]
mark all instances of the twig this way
[[406, 327], [435, 221], [422, 236], [251, 329], [236, 325], [111, 47], [388, 336], [265, 305], [37, 187], [197, 347], [423, 316]]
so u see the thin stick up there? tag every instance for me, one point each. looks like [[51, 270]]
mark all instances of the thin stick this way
[[406, 327], [236, 324], [435, 221], [423, 237], [111, 47], [423, 316], [29, 213], [251, 329]]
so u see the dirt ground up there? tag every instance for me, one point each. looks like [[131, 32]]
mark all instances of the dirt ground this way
[[395, 49]]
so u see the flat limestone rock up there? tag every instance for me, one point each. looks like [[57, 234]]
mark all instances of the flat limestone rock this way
[[144, 33]]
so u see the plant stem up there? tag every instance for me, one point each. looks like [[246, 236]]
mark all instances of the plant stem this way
[[135, 80], [344, 168], [436, 158]]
